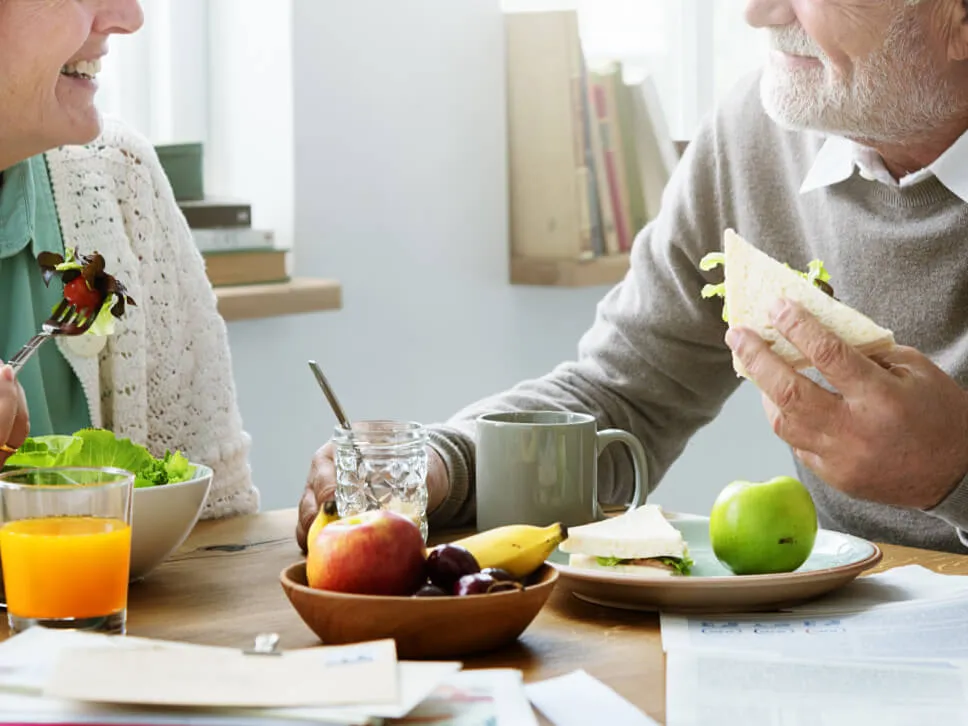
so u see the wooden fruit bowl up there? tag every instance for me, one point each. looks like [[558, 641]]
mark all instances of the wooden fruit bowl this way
[[423, 627]]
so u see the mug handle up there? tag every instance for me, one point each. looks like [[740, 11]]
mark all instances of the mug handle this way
[[639, 462]]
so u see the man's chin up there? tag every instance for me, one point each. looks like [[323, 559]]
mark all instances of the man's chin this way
[[785, 107]]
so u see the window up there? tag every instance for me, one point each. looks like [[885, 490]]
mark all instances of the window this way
[[695, 49], [178, 79], [157, 79]]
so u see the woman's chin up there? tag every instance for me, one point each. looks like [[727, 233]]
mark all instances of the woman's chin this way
[[81, 119], [81, 128]]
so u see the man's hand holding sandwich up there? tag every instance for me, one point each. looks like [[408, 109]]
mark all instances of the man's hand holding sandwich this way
[[894, 431]]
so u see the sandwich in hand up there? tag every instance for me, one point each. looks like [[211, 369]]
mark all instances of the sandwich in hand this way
[[754, 281], [639, 541]]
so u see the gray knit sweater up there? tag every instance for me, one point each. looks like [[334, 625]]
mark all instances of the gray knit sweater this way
[[654, 361]]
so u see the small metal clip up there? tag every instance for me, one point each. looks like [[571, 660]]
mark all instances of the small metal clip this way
[[265, 644]]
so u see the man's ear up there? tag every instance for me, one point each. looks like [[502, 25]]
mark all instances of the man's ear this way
[[958, 30]]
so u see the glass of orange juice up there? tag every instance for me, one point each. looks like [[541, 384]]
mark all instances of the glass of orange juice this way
[[65, 547]]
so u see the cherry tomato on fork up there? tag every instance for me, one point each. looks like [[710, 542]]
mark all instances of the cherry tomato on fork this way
[[81, 296]]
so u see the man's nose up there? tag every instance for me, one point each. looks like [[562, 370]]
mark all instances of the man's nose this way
[[769, 13]]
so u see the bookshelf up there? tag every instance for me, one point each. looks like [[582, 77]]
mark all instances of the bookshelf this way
[[605, 270], [589, 156], [589, 272], [266, 300]]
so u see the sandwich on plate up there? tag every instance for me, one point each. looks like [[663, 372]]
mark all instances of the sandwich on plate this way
[[754, 281], [640, 541]]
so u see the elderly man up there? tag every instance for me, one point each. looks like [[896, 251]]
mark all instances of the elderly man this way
[[850, 147]]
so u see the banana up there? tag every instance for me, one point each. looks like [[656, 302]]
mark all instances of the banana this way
[[328, 513], [520, 549]]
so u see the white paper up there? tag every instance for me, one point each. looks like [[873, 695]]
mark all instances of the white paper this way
[[921, 629], [160, 676], [899, 584], [484, 697], [705, 687], [28, 709], [28, 658], [417, 681], [27, 661], [578, 699]]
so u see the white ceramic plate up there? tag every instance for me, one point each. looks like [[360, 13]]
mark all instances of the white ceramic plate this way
[[836, 560]]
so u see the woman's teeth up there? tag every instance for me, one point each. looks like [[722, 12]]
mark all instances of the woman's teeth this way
[[82, 69]]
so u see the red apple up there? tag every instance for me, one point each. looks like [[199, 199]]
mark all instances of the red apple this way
[[372, 553]]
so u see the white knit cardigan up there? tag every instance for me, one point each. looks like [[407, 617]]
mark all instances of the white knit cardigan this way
[[164, 379]]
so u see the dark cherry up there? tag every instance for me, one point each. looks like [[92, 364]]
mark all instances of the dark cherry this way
[[430, 591], [482, 584], [498, 574], [476, 584], [448, 563]]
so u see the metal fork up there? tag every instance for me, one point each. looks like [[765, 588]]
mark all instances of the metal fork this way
[[65, 320]]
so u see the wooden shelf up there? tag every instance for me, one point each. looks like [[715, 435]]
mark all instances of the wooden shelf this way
[[299, 295], [606, 270]]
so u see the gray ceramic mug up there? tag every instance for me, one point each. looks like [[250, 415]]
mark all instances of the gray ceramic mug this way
[[541, 467]]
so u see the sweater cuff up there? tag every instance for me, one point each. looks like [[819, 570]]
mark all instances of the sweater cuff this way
[[953, 509], [456, 451]]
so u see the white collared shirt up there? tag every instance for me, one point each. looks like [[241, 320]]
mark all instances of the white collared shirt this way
[[839, 157]]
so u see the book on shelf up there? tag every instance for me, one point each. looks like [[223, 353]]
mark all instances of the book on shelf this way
[[211, 213], [549, 168], [246, 266], [229, 238], [602, 89], [654, 148], [589, 149]]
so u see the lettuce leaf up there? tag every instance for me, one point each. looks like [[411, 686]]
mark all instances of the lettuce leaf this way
[[42, 452], [609, 561], [707, 263], [683, 566], [101, 448], [170, 468]]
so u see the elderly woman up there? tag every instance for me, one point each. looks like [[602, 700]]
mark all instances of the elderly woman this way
[[164, 378]]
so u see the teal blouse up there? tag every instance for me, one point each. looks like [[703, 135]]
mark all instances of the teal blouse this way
[[28, 226]]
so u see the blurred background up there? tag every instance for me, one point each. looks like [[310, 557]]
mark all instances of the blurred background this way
[[361, 178]]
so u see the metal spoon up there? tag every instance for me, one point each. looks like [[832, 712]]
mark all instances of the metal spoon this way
[[334, 404]]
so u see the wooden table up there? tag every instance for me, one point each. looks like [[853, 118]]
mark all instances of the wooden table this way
[[222, 588]]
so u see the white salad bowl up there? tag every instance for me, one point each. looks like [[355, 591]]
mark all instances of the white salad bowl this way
[[162, 517]]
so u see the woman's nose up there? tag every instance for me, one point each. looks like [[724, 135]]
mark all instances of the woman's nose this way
[[119, 16]]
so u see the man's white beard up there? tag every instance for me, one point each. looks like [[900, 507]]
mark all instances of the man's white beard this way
[[895, 94]]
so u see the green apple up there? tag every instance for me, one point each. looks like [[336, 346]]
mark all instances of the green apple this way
[[763, 527]]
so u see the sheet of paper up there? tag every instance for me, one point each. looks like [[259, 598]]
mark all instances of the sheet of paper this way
[[578, 699], [485, 697], [417, 680], [920, 629], [899, 584], [705, 687], [27, 661], [324, 676], [30, 709]]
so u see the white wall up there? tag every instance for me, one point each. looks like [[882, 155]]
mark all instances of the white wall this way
[[400, 193]]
